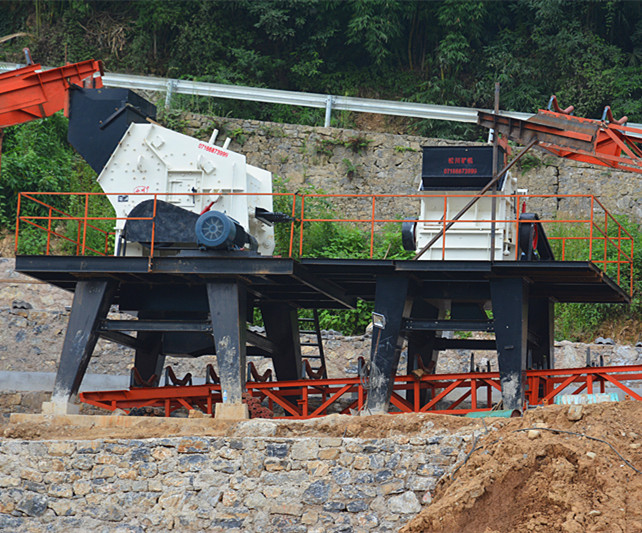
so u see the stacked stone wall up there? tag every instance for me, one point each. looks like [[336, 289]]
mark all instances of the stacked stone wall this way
[[254, 483]]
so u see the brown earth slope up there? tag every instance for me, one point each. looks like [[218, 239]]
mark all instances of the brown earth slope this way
[[543, 481]]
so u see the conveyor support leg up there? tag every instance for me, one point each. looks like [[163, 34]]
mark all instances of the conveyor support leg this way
[[149, 360], [227, 301], [282, 328], [391, 300]]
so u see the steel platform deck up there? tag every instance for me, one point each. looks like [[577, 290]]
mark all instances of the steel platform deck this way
[[329, 283]]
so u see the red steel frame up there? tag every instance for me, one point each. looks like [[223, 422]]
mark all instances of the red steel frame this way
[[29, 93], [315, 397], [613, 253]]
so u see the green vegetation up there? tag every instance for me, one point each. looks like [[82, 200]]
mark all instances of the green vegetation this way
[[581, 322], [403, 149], [37, 158], [350, 167], [335, 240], [448, 52]]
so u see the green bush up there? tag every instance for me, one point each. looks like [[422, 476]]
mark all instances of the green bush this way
[[585, 321], [330, 239], [37, 158]]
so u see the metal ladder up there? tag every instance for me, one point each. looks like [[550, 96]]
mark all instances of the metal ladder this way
[[304, 329]]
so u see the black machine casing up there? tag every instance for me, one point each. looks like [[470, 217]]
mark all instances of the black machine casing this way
[[98, 119], [446, 168]]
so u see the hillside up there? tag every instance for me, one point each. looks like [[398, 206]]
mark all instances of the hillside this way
[[446, 52]]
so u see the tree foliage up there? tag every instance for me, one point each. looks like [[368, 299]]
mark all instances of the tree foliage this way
[[447, 52]]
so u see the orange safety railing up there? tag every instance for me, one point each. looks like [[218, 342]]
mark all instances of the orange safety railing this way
[[595, 235]]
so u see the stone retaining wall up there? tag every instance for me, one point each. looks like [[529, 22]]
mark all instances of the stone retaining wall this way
[[343, 161], [315, 484]]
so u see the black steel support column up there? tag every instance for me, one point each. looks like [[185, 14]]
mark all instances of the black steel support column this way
[[227, 301], [510, 312], [541, 329], [282, 328], [422, 343], [149, 360], [90, 305], [391, 300]]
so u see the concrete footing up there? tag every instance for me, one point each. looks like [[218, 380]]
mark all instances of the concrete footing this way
[[60, 408], [232, 411]]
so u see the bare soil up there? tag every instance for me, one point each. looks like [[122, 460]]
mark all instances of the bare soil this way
[[543, 481], [43, 427]]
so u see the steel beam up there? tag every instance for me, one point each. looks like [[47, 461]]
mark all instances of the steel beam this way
[[415, 324], [227, 300], [148, 358], [199, 326], [282, 330], [541, 329]]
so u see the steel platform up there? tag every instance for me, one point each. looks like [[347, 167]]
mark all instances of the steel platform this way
[[329, 283], [196, 305]]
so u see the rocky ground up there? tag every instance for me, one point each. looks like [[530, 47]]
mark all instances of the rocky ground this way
[[550, 471]]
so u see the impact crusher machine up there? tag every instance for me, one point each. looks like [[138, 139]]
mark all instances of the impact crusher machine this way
[[136, 158]]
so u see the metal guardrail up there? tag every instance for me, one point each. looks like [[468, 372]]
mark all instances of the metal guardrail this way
[[330, 103], [171, 86]]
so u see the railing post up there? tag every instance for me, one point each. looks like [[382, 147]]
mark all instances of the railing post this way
[[15, 244], [619, 251], [606, 239], [443, 233], [328, 110], [517, 213], [49, 231], [631, 270], [301, 228], [171, 85], [590, 258], [84, 228], [292, 223], [372, 222]]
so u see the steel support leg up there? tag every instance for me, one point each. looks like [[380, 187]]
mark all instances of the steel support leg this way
[[91, 304], [227, 301], [422, 344], [282, 328], [391, 300], [510, 312], [149, 360], [541, 329]]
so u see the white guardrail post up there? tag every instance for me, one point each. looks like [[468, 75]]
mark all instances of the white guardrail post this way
[[272, 96], [170, 91], [328, 111]]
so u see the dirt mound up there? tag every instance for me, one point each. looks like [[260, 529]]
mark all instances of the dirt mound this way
[[545, 481]]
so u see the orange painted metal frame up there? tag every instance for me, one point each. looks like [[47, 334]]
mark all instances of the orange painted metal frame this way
[[29, 93], [600, 244], [610, 142], [314, 397]]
